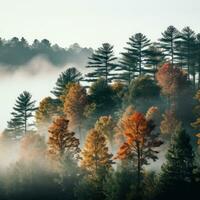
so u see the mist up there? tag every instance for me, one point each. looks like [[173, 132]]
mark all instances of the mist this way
[[38, 77]]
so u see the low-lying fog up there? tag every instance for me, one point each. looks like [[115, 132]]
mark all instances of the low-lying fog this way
[[38, 77]]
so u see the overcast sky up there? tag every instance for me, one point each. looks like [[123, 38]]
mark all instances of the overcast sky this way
[[91, 22]]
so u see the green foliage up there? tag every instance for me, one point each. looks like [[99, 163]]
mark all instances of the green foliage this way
[[102, 62], [23, 111], [178, 169], [168, 43], [119, 184], [102, 96], [17, 52], [71, 75], [142, 93], [134, 58]]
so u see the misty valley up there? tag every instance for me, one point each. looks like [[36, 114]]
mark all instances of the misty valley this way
[[83, 124]]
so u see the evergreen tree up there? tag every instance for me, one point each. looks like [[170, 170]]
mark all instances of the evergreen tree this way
[[168, 43], [102, 97], [177, 172], [71, 75], [135, 56], [127, 69], [197, 57], [187, 51], [23, 111], [154, 59], [103, 63]]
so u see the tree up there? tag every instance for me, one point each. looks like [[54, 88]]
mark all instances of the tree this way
[[48, 108], [172, 81], [187, 51], [154, 59], [197, 57], [142, 91], [120, 184], [96, 158], [177, 171], [71, 75], [74, 106], [102, 62], [62, 143], [196, 124], [23, 111], [169, 123], [127, 69], [136, 52], [106, 125], [102, 96], [168, 43], [140, 142]]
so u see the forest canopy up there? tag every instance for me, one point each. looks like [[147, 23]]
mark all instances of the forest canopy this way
[[128, 129]]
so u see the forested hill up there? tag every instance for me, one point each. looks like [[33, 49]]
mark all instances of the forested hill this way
[[17, 52]]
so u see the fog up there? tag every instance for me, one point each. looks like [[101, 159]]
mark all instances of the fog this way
[[38, 77]]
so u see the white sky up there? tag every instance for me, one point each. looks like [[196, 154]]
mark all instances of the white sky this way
[[91, 22]]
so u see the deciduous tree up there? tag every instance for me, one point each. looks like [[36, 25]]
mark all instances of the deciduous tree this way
[[140, 142], [62, 143], [74, 106]]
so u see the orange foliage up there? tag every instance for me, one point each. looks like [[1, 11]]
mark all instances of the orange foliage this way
[[137, 131], [62, 142], [95, 155], [74, 105], [171, 79]]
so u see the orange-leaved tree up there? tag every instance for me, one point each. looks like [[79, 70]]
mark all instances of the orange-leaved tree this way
[[172, 81], [140, 141], [74, 106], [96, 158], [106, 125], [62, 143]]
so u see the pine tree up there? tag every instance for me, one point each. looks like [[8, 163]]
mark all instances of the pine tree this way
[[127, 69], [154, 59], [136, 54], [103, 63], [197, 57], [62, 143], [96, 159], [140, 142], [177, 171], [71, 75], [168, 43], [74, 107], [23, 111], [187, 51]]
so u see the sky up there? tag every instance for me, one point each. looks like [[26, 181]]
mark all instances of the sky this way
[[92, 22]]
